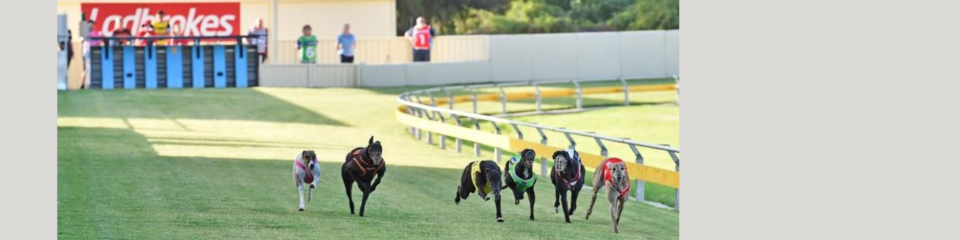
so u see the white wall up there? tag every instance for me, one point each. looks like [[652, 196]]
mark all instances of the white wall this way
[[554, 56], [381, 75], [510, 58], [384, 75], [643, 54], [673, 52], [599, 56], [584, 56]]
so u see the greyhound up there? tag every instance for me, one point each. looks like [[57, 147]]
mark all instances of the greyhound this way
[[482, 177], [360, 166], [567, 175], [306, 171], [612, 173], [519, 177]]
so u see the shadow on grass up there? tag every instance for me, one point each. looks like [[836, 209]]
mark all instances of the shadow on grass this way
[[207, 104], [111, 184]]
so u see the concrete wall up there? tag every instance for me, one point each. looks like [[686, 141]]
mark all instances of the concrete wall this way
[[277, 75], [510, 58], [643, 54], [332, 75], [389, 50], [584, 56], [673, 53], [381, 75], [303, 75]]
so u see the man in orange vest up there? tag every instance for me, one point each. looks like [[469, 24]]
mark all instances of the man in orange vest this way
[[421, 36]]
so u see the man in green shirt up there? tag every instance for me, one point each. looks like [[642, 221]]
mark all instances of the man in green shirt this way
[[307, 46]]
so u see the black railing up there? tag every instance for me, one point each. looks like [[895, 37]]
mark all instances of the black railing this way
[[106, 41]]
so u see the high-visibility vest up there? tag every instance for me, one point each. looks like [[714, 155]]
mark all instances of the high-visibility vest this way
[[422, 38]]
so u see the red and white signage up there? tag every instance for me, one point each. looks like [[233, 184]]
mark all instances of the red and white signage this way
[[194, 19]]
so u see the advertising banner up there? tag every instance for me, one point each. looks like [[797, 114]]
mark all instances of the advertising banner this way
[[194, 19]]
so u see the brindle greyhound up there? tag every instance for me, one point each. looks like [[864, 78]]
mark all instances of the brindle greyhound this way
[[520, 177], [567, 175], [361, 165], [482, 177], [612, 173]]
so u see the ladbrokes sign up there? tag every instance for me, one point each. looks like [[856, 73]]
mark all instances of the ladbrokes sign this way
[[194, 19]]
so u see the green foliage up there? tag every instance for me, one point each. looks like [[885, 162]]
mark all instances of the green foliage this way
[[540, 16], [649, 14]]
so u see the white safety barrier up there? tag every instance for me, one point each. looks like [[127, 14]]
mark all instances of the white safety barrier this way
[[495, 58]]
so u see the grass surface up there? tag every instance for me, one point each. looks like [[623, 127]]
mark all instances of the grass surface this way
[[215, 164]]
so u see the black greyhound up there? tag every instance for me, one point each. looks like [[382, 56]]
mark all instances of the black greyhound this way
[[520, 177], [482, 177], [360, 166], [567, 175]]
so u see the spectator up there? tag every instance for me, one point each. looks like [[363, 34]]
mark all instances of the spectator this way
[[69, 46], [121, 32], [88, 41], [258, 36], [307, 45], [346, 44], [421, 36], [161, 28], [146, 30]]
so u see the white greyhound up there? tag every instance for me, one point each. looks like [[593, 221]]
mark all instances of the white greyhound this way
[[306, 170]]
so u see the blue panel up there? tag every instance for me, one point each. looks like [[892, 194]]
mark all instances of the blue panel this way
[[106, 68], [174, 67], [150, 66], [129, 68], [241, 65], [219, 66], [196, 60]]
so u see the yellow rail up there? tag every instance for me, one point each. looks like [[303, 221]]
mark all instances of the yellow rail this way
[[553, 93], [637, 171]]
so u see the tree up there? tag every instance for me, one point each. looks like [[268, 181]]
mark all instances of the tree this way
[[648, 15]]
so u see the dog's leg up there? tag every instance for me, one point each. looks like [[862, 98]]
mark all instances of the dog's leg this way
[[302, 205], [363, 203], [348, 185], [556, 200], [457, 199], [597, 183], [613, 196], [594, 198], [379, 177], [533, 198], [517, 196], [497, 201], [573, 200], [566, 210], [621, 202], [365, 189]]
